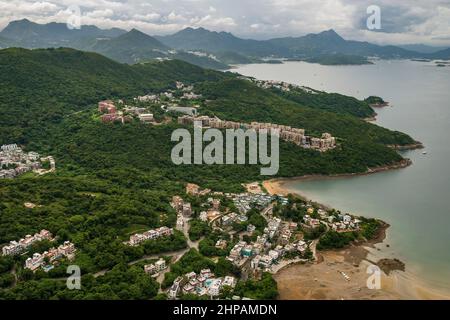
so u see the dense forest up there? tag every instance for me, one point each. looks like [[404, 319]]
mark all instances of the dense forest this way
[[113, 180]]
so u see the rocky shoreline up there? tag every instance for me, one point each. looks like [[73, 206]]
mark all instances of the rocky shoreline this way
[[389, 265]]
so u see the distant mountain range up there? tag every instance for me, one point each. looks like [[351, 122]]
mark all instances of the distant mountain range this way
[[33, 35], [324, 43], [422, 48], [216, 42], [126, 47], [206, 48]]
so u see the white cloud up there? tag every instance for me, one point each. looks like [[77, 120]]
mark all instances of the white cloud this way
[[402, 20]]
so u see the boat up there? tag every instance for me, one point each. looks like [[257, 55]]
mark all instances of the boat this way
[[424, 152]]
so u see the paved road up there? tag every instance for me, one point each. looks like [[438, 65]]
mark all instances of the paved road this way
[[176, 255]]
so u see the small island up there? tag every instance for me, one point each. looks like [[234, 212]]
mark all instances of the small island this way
[[376, 102], [338, 60]]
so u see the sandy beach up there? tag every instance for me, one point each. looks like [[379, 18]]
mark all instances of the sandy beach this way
[[324, 279]]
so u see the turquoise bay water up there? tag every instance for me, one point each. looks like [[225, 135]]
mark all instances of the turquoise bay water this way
[[415, 200]]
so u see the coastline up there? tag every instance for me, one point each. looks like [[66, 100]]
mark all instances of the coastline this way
[[323, 279], [416, 145], [276, 186]]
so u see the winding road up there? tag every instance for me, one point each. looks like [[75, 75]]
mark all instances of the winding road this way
[[176, 255]]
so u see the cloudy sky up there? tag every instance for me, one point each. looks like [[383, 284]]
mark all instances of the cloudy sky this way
[[402, 21]]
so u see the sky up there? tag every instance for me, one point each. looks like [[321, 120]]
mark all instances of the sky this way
[[401, 21]]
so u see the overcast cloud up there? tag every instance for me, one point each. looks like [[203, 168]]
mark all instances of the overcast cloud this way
[[402, 21]]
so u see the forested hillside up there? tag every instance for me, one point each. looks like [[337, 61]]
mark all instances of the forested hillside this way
[[113, 179]]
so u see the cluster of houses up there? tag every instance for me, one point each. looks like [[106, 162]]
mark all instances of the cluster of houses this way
[[259, 254], [110, 113], [278, 241], [265, 261], [287, 133], [18, 247], [188, 91], [213, 211], [48, 259], [280, 85], [153, 98], [339, 223], [202, 284], [154, 269], [344, 223], [195, 190], [138, 238], [14, 162], [168, 101], [311, 222], [229, 219], [183, 209], [185, 92], [244, 201], [141, 113], [274, 84], [221, 244]]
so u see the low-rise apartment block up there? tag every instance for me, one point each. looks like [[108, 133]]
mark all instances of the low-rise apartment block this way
[[202, 284], [153, 234], [17, 247], [48, 258], [155, 268], [287, 133]]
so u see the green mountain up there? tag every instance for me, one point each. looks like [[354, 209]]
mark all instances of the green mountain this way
[[65, 80], [422, 48], [131, 47], [126, 47], [329, 42], [137, 47], [41, 87], [134, 47], [311, 45], [28, 34], [443, 54], [6, 43], [211, 41]]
